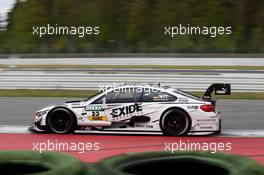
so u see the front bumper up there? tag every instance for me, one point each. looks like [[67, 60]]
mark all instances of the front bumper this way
[[36, 127]]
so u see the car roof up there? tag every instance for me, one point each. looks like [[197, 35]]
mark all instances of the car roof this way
[[158, 86], [167, 89]]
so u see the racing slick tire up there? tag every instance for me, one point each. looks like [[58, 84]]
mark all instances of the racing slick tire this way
[[34, 163], [187, 163], [175, 122], [61, 121]]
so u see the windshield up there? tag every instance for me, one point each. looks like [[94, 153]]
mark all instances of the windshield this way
[[93, 95]]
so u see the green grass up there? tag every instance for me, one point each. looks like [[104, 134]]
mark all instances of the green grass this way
[[132, 67], [87, 93], [45, 93], [3, 66]]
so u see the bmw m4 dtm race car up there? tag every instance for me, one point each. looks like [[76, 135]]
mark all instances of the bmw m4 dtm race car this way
[[136, 109]]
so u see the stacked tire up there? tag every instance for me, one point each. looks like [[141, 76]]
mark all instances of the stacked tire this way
[[34, 163], [187, 163]]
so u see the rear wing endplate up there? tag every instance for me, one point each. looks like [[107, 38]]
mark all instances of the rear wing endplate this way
[[218, 89]]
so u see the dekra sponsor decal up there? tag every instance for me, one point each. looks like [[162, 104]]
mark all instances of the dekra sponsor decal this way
[[93, 108]]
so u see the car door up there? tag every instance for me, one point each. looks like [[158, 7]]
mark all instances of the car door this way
[[153, 100], [95, 111], [123, 104]]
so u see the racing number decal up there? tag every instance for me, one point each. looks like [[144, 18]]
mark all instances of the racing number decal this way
[[96, 113]]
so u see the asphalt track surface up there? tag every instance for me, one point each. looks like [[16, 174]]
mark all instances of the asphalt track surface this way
[[236, 114]]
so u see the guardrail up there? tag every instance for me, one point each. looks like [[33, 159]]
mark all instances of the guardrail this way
[[131, 55], [244, 82], [157, 61]]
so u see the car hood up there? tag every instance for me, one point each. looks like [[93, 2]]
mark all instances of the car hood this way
[[75, 103]]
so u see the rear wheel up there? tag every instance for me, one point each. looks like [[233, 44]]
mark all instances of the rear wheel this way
[[61, 121], [175, 122]]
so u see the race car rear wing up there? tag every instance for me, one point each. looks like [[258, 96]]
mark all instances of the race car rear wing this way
[[218, 89]]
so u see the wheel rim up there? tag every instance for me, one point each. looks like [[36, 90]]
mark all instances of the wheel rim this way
[[60, 122], [176, 123]]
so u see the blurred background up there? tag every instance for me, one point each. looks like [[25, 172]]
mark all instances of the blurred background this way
[[132, 26], [131, 47], [130, 32]]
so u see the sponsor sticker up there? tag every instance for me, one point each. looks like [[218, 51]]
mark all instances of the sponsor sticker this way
[[206, 127], [160, 97], [93, 108], [117, 112], [192, 107], [207, 120], [183, 100], [221, 91], [98, 118], [144, 126]]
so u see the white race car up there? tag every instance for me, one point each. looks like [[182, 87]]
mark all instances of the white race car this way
[[136, 109]]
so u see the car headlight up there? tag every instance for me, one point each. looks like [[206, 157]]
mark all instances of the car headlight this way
[[41, 113]]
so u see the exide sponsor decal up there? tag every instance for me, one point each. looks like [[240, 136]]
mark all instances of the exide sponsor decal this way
[[117, 112]]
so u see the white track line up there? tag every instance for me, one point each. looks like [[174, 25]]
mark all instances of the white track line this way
[[14, 129], [243, 133], [19, 129]]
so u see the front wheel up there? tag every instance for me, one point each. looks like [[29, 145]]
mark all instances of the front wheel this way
[[61, 121], [175, 123]]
